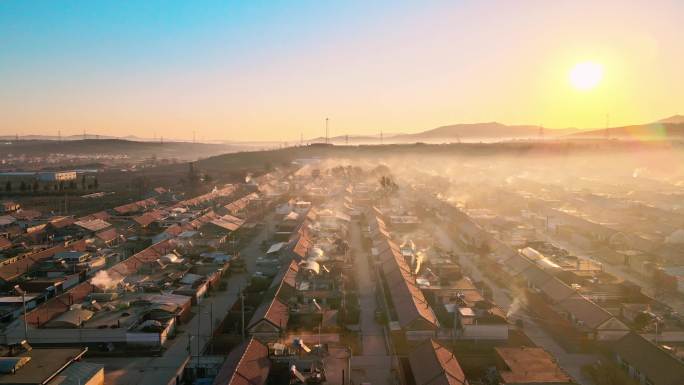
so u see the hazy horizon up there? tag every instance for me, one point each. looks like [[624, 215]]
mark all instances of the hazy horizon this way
[[274, 71]]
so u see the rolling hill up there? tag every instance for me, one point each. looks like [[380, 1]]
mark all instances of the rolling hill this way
[[671, 128], [485, 132], [133, 149], [467, 132], [650, 131]]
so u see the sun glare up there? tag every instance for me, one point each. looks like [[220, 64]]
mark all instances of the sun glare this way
[[586, 76]]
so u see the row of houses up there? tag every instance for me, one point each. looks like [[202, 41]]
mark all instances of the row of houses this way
[[414, 315], [598, 310]]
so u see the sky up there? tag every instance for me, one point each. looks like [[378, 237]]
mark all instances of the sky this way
[[274, 70]]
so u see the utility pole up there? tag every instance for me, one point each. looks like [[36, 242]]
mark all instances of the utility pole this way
[[326, 130], [193, 136], [242, 312], [320, 325], [381, 138], [21, 291], [199, 322]]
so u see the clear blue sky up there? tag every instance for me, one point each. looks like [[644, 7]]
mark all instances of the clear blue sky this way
[[275, 69]]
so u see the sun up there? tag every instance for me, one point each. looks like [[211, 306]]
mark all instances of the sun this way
[[586, 75]]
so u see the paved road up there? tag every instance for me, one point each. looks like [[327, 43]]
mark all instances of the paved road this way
[[374, 365], [571, 362], [163, 370]]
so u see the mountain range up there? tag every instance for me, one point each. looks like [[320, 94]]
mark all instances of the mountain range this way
[[668, 128], [671, 128]]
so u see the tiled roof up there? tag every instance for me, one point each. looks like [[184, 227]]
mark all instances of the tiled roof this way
[[239, 204], [61, 222], [93, 224], [433, 364], [136, 206], [5, 243], [107, 235], [586, 311], [518, 263], [301, 245], [225, 191], [25, 263], [659, 366], [273, 311], [527, 365], [536, 276], [247, 364], [408, 300], [287, 275], [130, 266], [228, 222], [556, 290]]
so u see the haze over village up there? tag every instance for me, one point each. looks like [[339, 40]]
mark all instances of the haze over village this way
[[341, 193]]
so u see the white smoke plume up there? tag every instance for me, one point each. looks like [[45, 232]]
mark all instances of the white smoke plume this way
[[103, 281], [637, 172], [515, 306]]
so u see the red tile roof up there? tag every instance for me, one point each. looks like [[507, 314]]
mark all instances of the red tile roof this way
[[272, 311], [228, 222], [59, 304], [248, 364], [174, 230], [225, 191], [239, 204], [61, 222], [26, 262], [108, 235], [93, 224], [5, 243], [408, 300], [146, 219], [301, 245], [136, 206], [433, 364], [530, 365]]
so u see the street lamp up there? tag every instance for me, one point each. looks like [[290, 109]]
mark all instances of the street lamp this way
[[21, 291], [320, 326]]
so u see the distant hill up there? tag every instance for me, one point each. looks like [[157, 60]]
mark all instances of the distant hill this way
[[473, 132], [674, 119], [485, 132], [664, 129], [651, 131], [65, 138], [77, 137], [133, 149]]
